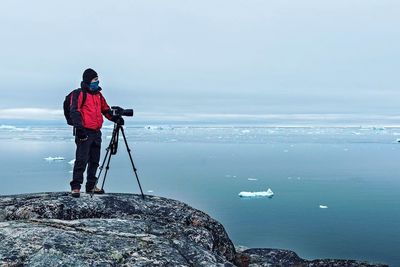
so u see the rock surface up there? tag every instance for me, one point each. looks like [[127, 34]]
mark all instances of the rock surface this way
[[54, 229], [280, 257]]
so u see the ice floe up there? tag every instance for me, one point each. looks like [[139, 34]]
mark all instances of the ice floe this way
[[267, 193], [323, 206], [378, 128], [54, 158], [12, 128], [252, 179], [71, 162], [153, 127]]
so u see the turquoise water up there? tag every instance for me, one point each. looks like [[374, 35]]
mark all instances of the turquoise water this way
[[353, 171]]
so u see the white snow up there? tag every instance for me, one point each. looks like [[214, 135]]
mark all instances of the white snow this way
[[267, 193], [323, 207], [54, 158]]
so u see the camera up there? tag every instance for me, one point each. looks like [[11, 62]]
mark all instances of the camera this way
[[118, 111]]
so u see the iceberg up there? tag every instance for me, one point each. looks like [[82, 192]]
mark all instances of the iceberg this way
[[267, 193], [153, 127], [12, 128], [54, 158], [323, 207], [378, 128]]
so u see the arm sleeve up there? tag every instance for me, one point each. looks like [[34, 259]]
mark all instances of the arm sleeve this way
[[75, 110], [105, 108]]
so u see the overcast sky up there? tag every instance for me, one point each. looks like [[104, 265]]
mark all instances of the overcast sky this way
[[225, 57]]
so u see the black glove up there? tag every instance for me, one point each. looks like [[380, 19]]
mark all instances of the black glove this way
[[81, 134], [118, 120]]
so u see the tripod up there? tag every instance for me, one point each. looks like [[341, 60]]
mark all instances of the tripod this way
[[112, 150]]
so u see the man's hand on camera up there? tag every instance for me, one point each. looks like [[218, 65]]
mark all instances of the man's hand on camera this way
[[81, 134]]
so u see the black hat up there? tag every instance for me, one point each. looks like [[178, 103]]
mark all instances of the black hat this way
[[89, 75]]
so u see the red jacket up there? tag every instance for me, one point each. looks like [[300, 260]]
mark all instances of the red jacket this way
[[90, 115]]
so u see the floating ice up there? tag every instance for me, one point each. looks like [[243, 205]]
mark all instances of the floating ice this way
[[252, 179], [398, 140], [54, 158], [323, 207], [246, 131], [379, 128], [153, 127], [11, 128], [108, 126], [267, 193], [150, 191], [71, 162]]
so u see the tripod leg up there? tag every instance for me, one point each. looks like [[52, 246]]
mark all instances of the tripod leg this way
[[107, 168], [130, 156], [107, 156], [101, 170]]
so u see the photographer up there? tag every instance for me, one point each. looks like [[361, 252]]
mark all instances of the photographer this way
[[87, 108]]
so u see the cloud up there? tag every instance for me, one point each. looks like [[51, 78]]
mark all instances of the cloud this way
[[31, 113], [293, 119]]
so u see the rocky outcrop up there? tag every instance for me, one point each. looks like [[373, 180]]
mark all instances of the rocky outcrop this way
[[280, 257], [54, 229]]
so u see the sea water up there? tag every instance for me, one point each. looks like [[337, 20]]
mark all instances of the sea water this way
[[352, 172]]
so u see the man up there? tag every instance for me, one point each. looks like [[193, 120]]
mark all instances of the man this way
[[87, 109]]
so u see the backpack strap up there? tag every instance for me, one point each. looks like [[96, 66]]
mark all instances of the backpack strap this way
[[83, 97]]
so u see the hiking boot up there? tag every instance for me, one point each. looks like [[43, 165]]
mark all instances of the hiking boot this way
[[96, 190], [75, 193]]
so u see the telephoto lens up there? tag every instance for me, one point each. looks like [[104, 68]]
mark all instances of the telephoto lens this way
[[118, 111], [128, 112]]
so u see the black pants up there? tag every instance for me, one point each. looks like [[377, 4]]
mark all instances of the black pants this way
[[87, 153]]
